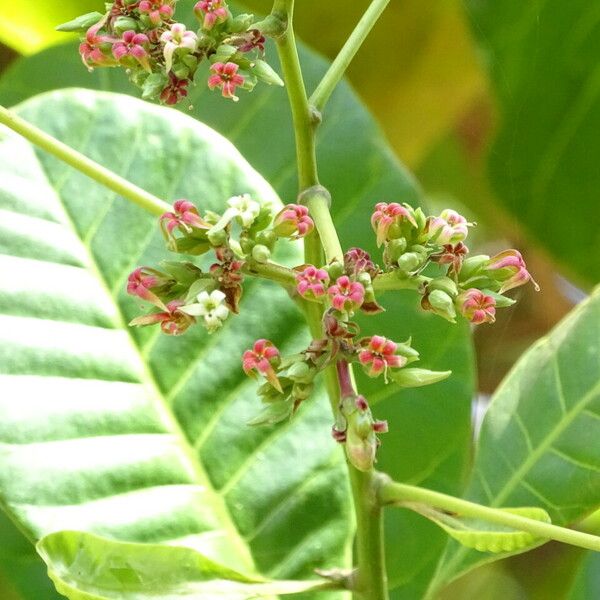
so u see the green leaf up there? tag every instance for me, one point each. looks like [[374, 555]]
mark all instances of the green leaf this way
[[538, 443], [88, 567], [128, 433], [488, 537], [543, 162], [430, 435]]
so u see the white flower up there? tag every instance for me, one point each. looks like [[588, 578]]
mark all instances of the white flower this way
[[210, 307], [177, 37], [244, 208]]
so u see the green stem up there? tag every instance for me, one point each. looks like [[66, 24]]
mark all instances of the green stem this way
[[271, 271], [392, 281], [82, 163], [391, 492], [371, 580], [344, 58]]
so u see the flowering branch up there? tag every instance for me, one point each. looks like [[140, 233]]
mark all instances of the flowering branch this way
[[338, 67]]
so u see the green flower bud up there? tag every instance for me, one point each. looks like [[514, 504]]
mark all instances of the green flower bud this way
[[445, 284], [410, 262], [266, 238], [409, 378], [266, 73], [223, 54], [217, 237], [261, 253], [240, 23], [300, 372], [123, 24], [473, 266], [335, 270], [441, 304], [395, 249], [82, 23]]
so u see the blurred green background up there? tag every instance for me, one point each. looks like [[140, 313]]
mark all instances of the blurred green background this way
[[495, 107]]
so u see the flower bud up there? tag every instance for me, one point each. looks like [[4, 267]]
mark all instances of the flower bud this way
[[260, 253], [211, 12], [122, 24], [413, 377], [410, 262], [357, 261], [172, 321], [266, 73], [445, 284], [300, 372], [441, 304]]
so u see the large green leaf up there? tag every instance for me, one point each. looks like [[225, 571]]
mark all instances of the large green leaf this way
[[543, 57], [539, 439], [430, 436], [84, 566], [127, 433]]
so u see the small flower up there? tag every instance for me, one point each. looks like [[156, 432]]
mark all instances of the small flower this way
[[476, 306], [184, 217], [357, 261], [175, 38], [387, 215], [209, 306], [175, 90], [172, 321], [379, 354], [213, 11], [293, 222], [225, 76], [346, 295], [157, 10], [510, 270], [448, 228], [311, 282], [133, 45], [244, 208], [252, 39], [451, 254], [92, 49], [262, 358], [140, 283]]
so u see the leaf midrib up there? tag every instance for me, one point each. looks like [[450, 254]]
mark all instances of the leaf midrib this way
[[157, 397]]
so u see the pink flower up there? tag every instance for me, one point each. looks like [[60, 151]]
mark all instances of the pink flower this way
[[477, 307], [157, 10], [91, 51], [133, 44], [356, 261], [386, 215], [184, 217], [252, 39], [510, 270], [311, 282], [262, 358], [448, 228], [451, 254], [213, 11], [175, 90], [172, 321], [225, 77], [293, 222], [379, 354], [346, 295], [140, 284]]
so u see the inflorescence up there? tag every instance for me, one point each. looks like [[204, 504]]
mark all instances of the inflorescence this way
[[243, 238], [161, 55]]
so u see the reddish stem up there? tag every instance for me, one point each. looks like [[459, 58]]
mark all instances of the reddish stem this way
[[344, 379]]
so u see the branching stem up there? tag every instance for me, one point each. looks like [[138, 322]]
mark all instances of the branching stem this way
[[338, 67], [391, 492]]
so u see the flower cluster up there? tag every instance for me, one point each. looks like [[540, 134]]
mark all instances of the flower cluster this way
[[162, 55], [244, 234], [470, 286]]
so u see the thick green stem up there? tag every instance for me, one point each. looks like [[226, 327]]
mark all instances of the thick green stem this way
[[344, 58], [393, 281], [391, 492], [82, 163], [371, 579]]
